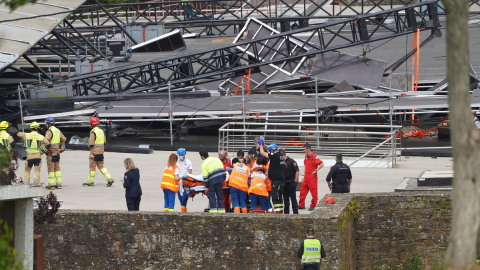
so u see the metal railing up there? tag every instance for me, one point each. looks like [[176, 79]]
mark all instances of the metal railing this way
[[376, 142]]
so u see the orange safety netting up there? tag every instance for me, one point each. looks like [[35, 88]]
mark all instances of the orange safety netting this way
[[293, 142], [417, 132]]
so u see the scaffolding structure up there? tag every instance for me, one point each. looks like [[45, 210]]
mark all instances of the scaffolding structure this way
[[379, 146]]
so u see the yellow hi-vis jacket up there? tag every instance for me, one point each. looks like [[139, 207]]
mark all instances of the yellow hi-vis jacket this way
[[99, 136], [213, 171], [5, 139], [33, 142], [311, 251], [55, 140]]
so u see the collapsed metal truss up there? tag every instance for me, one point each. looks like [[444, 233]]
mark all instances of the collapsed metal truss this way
[[228, 61], [158, 12], [80, 33]]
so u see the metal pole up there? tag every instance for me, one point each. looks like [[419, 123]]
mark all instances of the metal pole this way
[[317, 111], [390, 113], [60, 67], [21, 108], [170, 113], [244, 114], [390, 101]]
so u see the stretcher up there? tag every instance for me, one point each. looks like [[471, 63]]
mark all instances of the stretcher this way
[[194, 185]]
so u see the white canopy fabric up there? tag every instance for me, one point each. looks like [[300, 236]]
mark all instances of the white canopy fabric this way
[[24, 27]]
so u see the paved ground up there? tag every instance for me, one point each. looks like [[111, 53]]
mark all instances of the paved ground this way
[[75, 172]]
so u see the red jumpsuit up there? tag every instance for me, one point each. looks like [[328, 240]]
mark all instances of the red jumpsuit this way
[[310, 182], [225, 188]]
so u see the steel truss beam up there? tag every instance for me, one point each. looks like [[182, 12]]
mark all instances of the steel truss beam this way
[[228, 61], [213, 17], [158, 12]]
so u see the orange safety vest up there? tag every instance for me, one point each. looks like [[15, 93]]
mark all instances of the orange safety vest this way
[[268, 182], [168, 180], [239, 177], [258, 184]]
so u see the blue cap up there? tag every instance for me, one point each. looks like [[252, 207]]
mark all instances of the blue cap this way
[[50, 120], [272, 147], [181, 151]]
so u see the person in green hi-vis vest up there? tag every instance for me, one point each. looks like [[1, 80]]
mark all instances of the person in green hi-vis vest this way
[[34, 143], [97, 148], [311, 252]]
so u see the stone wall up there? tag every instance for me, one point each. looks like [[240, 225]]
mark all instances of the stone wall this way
[[361, 231], [150, 240], [392, 229]]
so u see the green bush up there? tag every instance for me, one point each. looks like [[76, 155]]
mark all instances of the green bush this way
[[7, 252], [8, 167]]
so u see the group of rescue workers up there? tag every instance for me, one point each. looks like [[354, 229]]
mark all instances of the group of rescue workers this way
[[52, 144], [264, 176], [264, 180]]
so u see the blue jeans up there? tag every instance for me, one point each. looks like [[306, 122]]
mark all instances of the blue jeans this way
[[269, 200], [183, 198], [215, 197], [256, 199], [169, 198], [239, 197]]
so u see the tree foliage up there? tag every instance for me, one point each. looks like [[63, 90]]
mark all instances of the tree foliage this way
[[14, 4], [8, 167], [7, 252], [46, 211]]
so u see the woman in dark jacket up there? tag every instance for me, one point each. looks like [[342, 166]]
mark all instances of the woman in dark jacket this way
[[131, 183]]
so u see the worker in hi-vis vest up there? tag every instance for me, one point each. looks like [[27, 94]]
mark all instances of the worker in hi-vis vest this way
[[97, 148], [57, 146], [6, 139], [33, 144], [311, 252]]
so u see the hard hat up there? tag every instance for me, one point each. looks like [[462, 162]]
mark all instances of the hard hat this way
[[272, 147], [181, 151], [50, 120], [34, 125], [329, 200], [94, 121], [3, 125]]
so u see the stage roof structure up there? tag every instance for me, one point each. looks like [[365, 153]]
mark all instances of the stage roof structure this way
[[23, 28]]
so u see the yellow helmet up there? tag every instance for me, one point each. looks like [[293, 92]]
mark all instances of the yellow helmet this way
[[3, 125], [34, 125]]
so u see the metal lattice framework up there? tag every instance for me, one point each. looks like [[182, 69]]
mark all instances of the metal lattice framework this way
[[228, 61], [80, 32], [157, 12]]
